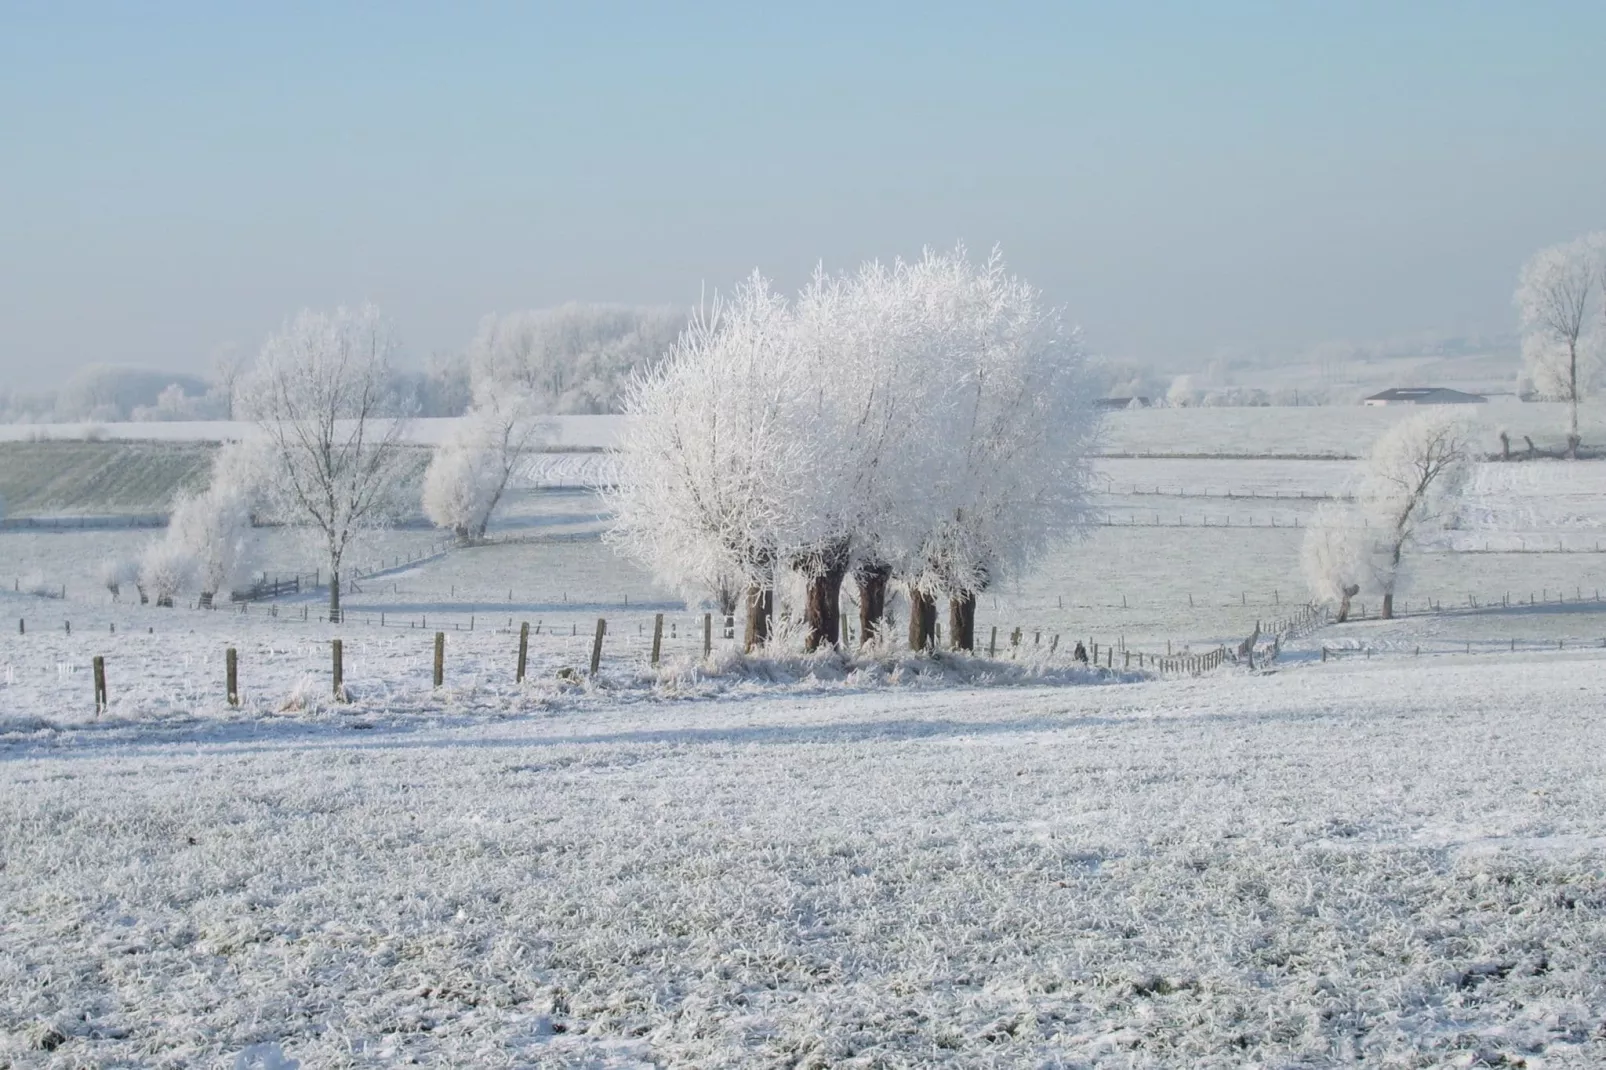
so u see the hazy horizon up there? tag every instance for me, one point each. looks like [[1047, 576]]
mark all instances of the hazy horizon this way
[[1262, 177]]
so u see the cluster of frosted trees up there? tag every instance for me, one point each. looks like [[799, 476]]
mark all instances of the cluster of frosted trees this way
[[923, 424], [1409, 487], [1561, 297]]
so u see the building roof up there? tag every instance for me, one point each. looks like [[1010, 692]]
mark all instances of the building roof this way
[[1427, 395]]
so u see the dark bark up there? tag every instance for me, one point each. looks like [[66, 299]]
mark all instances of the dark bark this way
[[1343, 606], [334, 597], [822, 605], [760, 608], [962, 622], [872, 584], [922, 621], [1388, 606]]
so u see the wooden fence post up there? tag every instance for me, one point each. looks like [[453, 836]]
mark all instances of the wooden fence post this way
[[440, 658], [596, 646], [708, 634], [657, 638], [101, 700], [992, 643], [336, 649], [524, 651], [231, 675]]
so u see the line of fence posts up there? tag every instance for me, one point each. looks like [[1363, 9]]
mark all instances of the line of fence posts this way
[[1189, 663]]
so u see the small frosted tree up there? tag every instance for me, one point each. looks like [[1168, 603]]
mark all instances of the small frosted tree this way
[[1412, 484], [321, 395], [469, 472], [116, 573], [1333, 558], [1557, 293], [213, 531], [165, 569]]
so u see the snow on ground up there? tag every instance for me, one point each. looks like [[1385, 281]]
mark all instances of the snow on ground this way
[[1396, 856], [1327, 430], [1397, 862]]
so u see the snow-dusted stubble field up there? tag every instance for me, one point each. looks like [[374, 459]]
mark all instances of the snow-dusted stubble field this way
[[1395, 864]]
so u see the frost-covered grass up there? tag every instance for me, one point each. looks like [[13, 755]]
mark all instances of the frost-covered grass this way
[[76, 478], [1392, 863], [1395, 860]]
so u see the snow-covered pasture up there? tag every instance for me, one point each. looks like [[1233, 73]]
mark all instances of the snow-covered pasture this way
[[1336, 430], [1392, 863], [1145, 583]]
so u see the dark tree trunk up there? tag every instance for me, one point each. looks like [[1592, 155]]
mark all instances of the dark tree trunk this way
[[1388, 606], [822, 601], [922, 621], [822, 611], [872, 584], [760, 607], [962, 622], [1343, 606], [334, 596]]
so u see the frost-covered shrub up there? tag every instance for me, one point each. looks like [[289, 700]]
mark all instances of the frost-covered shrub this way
[[1334, 557], [469, 472], [212, 531], [115, 573], [166, 568]]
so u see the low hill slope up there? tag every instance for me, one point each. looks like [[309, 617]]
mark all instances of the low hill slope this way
[[66, 478]]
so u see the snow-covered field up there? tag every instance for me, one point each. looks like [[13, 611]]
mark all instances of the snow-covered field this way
[[1394, 856], [1388, 862], [1333, 430]]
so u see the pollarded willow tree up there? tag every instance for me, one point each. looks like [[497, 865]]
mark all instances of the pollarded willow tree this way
[[1009, 457], [925, 422], [712, 458], [321, 393], [1561, 296], [1412, 485]]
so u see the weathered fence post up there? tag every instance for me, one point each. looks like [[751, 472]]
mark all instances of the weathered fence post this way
[[524, 651], [657, 637], [596, 646], [336, 649], [440, 658], [101, 701], [231, 675], [992, 643], [708, 634]]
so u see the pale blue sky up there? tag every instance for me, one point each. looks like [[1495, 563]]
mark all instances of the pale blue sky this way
[[1185, 177]]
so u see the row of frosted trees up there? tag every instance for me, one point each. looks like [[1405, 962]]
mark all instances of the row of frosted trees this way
[[924, 424]]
